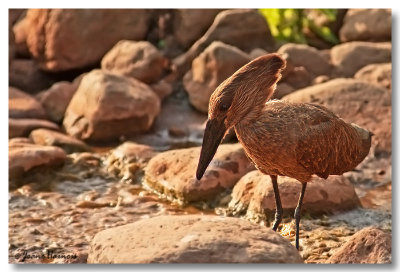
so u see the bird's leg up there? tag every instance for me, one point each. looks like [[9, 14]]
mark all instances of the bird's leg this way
[[278, 205], [297, 213]]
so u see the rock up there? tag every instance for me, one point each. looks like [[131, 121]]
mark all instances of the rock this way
[[59, 38], [56, 99], [298, 77], [352, 56], [191, 239], [218, 62], [14, 15], [367, 105], [22, 127], [140, 60], [20, 30], [19, 141], [282, 89], [172, 173], [190, 24], [378, 74], [52, 138], [133, 152], [245, 29], [106, 107], [24, 157], [367, 246], [254, 195], [367, 25], [320, 79], [257, 52], [23, 105], [162, 89], [127, 161], [308, 57], [24, 74]]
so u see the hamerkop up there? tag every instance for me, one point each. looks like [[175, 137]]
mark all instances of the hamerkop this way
[[281, 138]]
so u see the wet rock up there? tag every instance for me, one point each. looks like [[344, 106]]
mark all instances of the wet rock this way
[[350, 57], [140, 60], [379, 74], [107, 106], [53, 138], [245, 29], [368, 246], [56, 99], [190, 24], [367, 25], [308, 57], [24, 157], [172, 173], [134, 152], [22, 127], [128, 160], [367, 105], [216, 63], [24, 74], [50, 30], [23, 105], [191, 239], [254, 195]]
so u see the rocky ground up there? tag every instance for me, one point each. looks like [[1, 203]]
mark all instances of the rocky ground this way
[[105, 134]]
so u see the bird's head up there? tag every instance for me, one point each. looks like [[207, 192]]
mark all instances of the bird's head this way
[[250, 86]]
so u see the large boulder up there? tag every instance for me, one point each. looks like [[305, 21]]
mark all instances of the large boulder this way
[[22, 127], [254, 195], [23, 105], [191, 239], [367, 25], [366, 105], [25, 74], [140, 60], [245, 29], [350, 57], [378, 74], [190, 24], [65, 39], [106, 107], [367, 246], [172, 173], [215, 64], [23, 157]]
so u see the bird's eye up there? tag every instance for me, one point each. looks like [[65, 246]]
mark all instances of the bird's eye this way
[[223, 107]]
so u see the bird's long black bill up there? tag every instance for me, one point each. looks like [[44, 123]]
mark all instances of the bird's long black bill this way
[[215, 131]]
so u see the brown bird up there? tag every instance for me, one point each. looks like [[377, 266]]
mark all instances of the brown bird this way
[[281, 138]]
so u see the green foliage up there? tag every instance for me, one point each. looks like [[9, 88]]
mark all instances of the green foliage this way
[[288, 25]]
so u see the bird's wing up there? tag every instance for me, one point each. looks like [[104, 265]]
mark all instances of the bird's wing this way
[[325, 143]]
